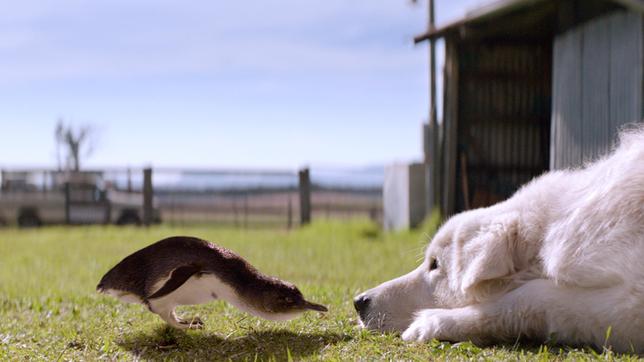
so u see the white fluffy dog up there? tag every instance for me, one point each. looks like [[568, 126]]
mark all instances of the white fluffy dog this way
[[562, 260]]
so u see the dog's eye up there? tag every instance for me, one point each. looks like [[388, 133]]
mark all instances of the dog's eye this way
[[433, 265]]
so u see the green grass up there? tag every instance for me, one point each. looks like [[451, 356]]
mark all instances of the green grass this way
[[50, 311]]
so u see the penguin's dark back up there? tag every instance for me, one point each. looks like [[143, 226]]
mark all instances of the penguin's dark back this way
[[138, 272]]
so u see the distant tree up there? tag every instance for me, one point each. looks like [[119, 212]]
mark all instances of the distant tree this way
[[75, 141]]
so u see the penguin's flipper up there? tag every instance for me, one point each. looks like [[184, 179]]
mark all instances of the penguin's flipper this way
[[177, 278]]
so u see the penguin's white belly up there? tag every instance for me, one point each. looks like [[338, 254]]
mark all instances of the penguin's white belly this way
[[203, 289], [198, 290]]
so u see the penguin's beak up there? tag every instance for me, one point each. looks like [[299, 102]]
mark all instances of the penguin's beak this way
[[314, 306]]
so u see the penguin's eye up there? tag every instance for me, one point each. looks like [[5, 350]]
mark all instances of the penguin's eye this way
[[433, 264]]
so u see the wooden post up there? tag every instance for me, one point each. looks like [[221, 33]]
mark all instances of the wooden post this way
[[3, 180], [245, 210], [129, 180], [147, 196], [235, 210], [289, 221], [428, 166], [67, 203], [433, 161], [44, 181], [305, 196], [450, 128]]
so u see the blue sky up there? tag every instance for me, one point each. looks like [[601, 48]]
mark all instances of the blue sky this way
[[216, 84]]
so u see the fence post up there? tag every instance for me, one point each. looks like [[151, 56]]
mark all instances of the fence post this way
[[235, 211], [147, 196], [245, 210], [305, 196], [289, 220], [129, 180], [67, 203], [44, 181], [3, 180]]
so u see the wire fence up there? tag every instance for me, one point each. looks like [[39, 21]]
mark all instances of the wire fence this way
[[241, 198]]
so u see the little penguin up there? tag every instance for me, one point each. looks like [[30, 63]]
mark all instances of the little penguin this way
[[184, 270]]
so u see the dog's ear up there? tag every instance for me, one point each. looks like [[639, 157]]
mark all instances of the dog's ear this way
[[490, 255]]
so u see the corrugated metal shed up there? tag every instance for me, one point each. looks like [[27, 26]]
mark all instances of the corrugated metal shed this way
[[532, 85], [597, 86], [504, 119], [488, 17]]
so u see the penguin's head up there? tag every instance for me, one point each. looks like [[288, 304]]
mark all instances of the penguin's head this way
[[283, 301]]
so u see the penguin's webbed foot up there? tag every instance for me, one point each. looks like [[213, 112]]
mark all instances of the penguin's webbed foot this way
[[191, 323], [167, 312]]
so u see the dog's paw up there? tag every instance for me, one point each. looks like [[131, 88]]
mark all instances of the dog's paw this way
[[427, 325]]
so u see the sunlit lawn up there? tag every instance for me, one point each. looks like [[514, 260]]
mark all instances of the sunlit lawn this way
[[50, 311]]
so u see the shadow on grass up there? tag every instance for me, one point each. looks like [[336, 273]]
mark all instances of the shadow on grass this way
[[551, 349], [167, 343]]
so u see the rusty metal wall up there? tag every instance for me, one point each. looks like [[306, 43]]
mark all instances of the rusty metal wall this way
[[503, 119], [597, 86]]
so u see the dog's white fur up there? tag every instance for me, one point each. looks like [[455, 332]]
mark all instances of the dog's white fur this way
[[562, 260]]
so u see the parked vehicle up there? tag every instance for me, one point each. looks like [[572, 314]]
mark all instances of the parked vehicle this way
[[78, 199]]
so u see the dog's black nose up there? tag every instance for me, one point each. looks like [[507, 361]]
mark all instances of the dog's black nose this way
[[361, 303]]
